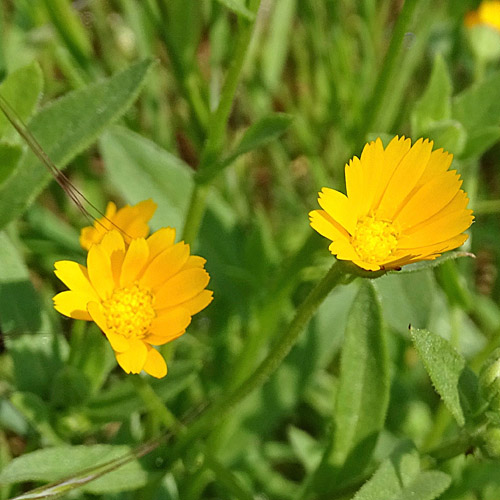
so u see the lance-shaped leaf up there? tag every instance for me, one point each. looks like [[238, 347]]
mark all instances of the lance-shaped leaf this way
[[65, 128], [362, 396], [452, 379], [259, 134], [22, 89], [96, 469], [140, 170]]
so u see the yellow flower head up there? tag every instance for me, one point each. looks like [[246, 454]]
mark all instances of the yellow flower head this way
[[488, 13], [403, 205], [140, 295], [133, 221]]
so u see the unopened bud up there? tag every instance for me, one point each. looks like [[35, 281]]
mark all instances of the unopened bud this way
[[489, 381]]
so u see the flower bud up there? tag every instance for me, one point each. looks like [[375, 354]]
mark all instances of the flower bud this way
[[491, 442], [489, 381]]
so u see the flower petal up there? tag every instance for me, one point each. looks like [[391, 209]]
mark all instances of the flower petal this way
[[75, 277], [118, 342], [133, 360], [404, 178], [326, 226], [165, 265], [199, 302], [429, 199], [339, 208], [100, 273], [160, 240], [169, 323], [155, 364], [181, 287], [72, 304], [135, 259]]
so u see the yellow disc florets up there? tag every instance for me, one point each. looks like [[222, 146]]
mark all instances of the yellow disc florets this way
[[374, 240], [129, 311]]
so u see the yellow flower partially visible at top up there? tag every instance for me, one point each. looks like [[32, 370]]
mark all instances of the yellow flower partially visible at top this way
[[488, 13], [132, 220], [140, 295], [403, 205]]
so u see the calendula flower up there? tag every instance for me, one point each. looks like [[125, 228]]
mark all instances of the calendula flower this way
[[403, 205], [141, 294], [131, 220], [488, 14]]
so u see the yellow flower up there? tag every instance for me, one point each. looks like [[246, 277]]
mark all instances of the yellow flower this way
[[488, 13], [133, 222], [403, 205], [140, 295]]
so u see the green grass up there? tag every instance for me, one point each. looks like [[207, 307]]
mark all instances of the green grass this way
[[232, 115]]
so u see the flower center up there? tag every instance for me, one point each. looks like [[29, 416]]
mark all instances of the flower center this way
[[374, 240], [129, 311]]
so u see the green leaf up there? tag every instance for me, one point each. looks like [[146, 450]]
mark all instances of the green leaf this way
[[53, 464], [36, 412], [141, 170], [238, 7], [20, 307], [65, 128], [435, 103], [259, 134], [262, 132], [481, 140], [446, 368], [478, 109], [21, 89], [449, 135], [399, 478], [363, 392], [9, 158], [278, 37]]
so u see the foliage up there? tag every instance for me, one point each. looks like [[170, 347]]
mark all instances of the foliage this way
[[232, 115]]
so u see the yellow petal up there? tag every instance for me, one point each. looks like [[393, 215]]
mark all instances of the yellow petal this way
[[429, 199], [194, 261], [72, 304], [160, 240], [133, 360], [199, 302], [181, 287], [118, 342], [113, 245], [384, 165], [155, 364], [339, 208], [169, 323], [404, 179], [100, 273], [322, 223], [75, 277], [134, 262], [438, 164], [165, 265], [157, 340]]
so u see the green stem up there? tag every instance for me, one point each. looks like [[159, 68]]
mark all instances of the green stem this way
[[195, 213], [487, 207], [218, 125], [388, 67], [284, 343]]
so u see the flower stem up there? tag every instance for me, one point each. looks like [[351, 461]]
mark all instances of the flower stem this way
[[388, 67], [284, 343], [217, 126]]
